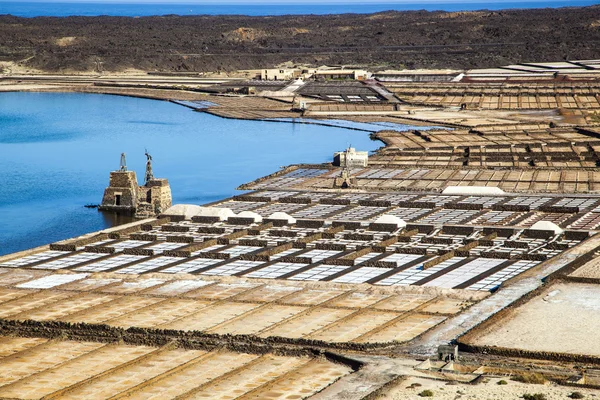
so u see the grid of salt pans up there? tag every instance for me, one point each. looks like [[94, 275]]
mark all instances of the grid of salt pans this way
[[191, 266], [109, 263], [439, 200], [379, 173], [237, 251], [494, 217], [279, 183], [416, 273], [487, 201], [278, 207], [494, 280], [465, 272], [318, 211], [273, 195], [319, 255], [356, 197], [580, 202], [590, 220], [532, 201], [237, 206], [359, 213], [557, 218], [275, 270], [448, 216], [318, 273], [69, 261], [408, 214], [164, 246], [361, 275], [233, 268], [396, 198], [23, 261], [147, 266], [316, 196], [305, 173]]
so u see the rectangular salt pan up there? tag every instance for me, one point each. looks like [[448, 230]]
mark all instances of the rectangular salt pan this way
[[51, 281]]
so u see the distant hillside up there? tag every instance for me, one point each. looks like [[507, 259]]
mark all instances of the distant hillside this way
[[417, 39]]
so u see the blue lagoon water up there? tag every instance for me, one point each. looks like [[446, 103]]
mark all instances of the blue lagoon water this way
[[58, 9], [57, 149]]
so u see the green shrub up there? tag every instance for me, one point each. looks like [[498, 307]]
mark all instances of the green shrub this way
[[533, 378], [576, 395], [502, 382], [427, 393], [537, 396]]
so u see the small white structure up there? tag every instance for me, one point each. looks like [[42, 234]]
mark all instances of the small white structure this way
[[281, 216], [222, 213], [185, 210], [351, 158], [279, 74], [474, 190], [191, 210], [391, 220], [547, 226], [250, 214]]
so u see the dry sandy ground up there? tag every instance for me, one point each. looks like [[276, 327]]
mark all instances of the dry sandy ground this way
[[11, 67], [534, 326], [482, 391], [589, 270]]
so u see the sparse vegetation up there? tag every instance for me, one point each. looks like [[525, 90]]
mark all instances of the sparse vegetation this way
[[536, 396], [502, 382], [427, 393], [576, 395], [533, 378], [461, 40]]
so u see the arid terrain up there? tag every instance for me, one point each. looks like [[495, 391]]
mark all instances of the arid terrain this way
[[418, 39], [459, 261]]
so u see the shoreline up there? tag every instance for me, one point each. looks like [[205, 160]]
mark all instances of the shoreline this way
[[177, 96], [154, 96]]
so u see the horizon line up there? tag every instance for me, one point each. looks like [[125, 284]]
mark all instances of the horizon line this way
[[282, 2]]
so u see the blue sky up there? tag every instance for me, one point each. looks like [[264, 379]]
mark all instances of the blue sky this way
[[213, 2]]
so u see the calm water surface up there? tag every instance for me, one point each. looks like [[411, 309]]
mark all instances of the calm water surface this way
[[56, 152]]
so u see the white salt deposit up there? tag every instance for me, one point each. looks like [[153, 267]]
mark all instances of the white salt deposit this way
[[51, 281]]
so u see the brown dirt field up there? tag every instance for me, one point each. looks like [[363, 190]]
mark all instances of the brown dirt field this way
[[564, 319]]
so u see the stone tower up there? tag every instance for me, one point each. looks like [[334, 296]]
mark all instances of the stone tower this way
[[124, 195]]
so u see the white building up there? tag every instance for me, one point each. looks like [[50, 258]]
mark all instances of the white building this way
[[351, 158], [279, 74]]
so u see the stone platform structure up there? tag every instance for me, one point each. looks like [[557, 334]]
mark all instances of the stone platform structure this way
[[124, 195]]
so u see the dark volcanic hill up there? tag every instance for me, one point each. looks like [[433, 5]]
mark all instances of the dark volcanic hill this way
[[411, 39]]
